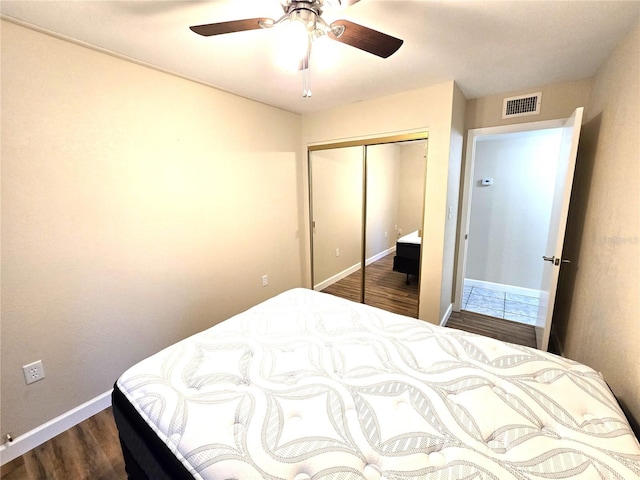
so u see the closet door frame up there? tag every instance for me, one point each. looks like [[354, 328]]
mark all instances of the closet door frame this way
[[364, 143]]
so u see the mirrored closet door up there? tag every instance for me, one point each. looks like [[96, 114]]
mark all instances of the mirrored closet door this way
[[337, 205], [365, 199]]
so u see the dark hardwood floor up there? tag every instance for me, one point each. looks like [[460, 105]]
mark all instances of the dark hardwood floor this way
[[505, 330], [384, 288], [91, 449], [88, 451]]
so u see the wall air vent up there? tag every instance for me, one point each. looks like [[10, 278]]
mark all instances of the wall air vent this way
[[522, 105]]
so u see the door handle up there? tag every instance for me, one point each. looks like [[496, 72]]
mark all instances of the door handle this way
[[554, 260]]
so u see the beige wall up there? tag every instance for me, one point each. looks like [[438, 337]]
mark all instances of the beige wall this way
[[413, 162], [383, 194], [137, 208], [431, 109], [559, 100], [597, 317]]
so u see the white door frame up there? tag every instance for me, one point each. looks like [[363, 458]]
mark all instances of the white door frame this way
[[465, 215]]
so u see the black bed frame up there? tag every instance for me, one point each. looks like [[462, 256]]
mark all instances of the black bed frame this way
[[146, 456]]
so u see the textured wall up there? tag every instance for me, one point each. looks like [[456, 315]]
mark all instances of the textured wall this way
[[430, 109], [598, 318], [137, 208]]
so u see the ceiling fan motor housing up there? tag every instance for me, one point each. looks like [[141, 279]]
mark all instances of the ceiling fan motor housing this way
[[305, 11]]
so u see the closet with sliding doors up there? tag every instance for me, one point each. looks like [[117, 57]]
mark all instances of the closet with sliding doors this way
[[365, 196]]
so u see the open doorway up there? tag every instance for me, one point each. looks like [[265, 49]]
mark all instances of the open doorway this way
[[509, 225], [511, 200]]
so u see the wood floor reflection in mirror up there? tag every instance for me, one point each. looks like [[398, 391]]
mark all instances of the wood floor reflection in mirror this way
[[384, 288]]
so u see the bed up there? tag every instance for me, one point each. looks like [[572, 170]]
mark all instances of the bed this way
[[310, 386], [407, 257]]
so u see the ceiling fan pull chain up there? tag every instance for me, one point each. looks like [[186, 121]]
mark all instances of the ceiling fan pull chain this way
[[306, 73], [304, 78]]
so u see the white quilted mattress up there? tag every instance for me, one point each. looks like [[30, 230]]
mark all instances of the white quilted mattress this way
[[310, 386]]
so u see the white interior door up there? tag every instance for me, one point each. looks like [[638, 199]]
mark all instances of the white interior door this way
[[553, 255]]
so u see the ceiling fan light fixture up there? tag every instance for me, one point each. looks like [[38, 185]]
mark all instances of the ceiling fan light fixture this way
[[303, 19], [293, 45], [323, 55], [305, 16]]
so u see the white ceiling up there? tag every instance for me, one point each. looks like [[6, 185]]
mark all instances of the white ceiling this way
[[487, 47]]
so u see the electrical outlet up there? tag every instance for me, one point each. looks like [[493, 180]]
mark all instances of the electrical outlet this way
[[337, 252], [33, 372], [265, 280]]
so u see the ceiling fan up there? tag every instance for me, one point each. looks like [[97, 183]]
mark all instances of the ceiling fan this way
[[308, 14]]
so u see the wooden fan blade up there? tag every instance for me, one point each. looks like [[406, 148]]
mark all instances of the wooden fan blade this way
[[365, 38], [229, 27]]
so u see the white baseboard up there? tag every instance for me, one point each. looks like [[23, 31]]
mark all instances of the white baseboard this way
[[539, 337], [345, 273], [528, 292], [378, 256], [447, 314], [47, 431], [336, 278]]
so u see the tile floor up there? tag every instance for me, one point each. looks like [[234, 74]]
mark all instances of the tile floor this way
[[496, 303]]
